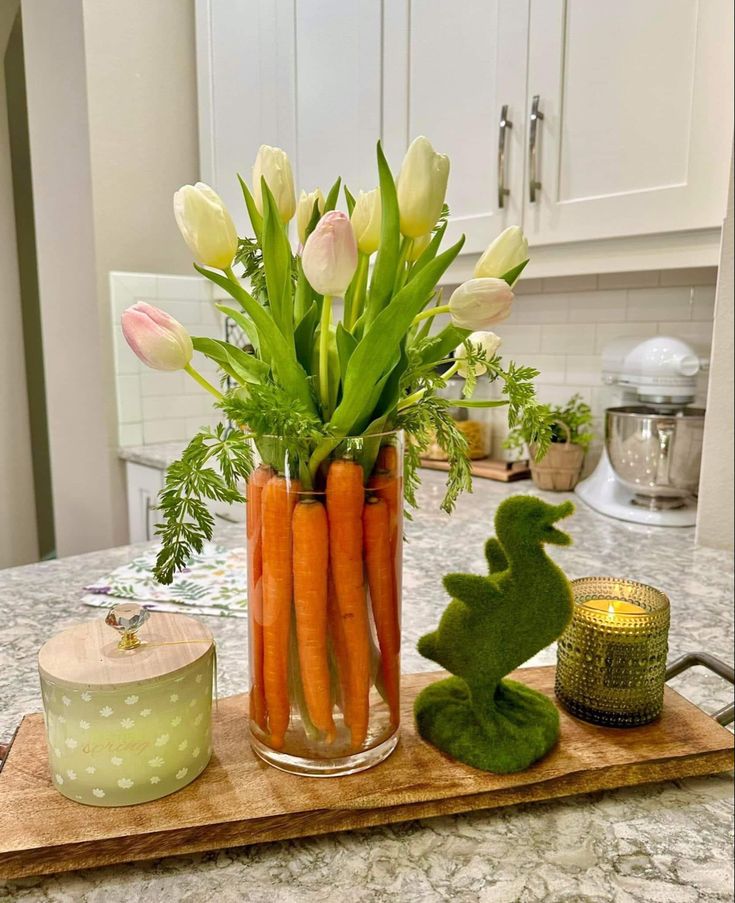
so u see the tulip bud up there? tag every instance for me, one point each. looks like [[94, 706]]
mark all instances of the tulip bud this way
[[418, 246], [159, 341], [480, 341], [366, 221], [273, 165], [206, 225], [478, 303], [329, 258], [305, 211], [508, 250], [421, 187]]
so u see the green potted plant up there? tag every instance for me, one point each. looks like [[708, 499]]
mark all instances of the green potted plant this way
[[561, 466]]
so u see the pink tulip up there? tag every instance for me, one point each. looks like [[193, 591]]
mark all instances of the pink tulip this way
[[159, 341], [329, 257]]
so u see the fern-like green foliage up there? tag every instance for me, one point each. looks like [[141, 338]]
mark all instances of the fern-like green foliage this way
[[493, 625]]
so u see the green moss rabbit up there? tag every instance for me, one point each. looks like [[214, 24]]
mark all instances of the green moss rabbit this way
[[492, 626]]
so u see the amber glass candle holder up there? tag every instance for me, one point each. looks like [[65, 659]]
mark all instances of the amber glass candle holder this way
[[611, 660]]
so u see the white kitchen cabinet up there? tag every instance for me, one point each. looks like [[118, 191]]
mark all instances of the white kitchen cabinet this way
[[143, 485], [453, 69], [637, 121], [632, 151]]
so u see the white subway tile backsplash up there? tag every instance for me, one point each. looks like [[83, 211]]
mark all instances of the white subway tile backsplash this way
[[597, 307], [703, 304], [555, 284], [180, 288], [540, 309], [606, 332], [519, 339], [643, 279], [690, 276], [551, 366], [698, 334], [130, 434], [583, 369], [164, 430], [672, 303], [571, 338]]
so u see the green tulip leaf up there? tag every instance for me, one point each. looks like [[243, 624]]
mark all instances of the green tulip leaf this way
[[277, 262], [386, 260], [511, 277], [243, 321], [350, 199], [303, 336], [443, 344], [290, 373], [331, 200], [377, 352], [241, 366], [256, 219], [429, 252], [346, 344]]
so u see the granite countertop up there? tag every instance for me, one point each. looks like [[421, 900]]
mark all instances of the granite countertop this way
[[158, 455], [670, 842]]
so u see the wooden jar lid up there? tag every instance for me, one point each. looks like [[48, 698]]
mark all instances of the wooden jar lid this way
[[87, 655]]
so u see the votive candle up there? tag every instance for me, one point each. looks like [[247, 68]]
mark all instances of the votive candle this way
[[611, 660]]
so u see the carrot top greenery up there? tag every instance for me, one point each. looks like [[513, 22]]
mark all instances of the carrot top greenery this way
[[315, 386]]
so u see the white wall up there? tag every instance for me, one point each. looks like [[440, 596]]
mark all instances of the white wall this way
[[716, 495], [76, 380], [18, 540]]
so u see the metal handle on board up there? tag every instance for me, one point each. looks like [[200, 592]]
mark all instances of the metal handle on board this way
[[533, 181], [727, 713], [503, 127]]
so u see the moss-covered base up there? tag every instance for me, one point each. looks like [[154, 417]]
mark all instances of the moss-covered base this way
[[519, 727]]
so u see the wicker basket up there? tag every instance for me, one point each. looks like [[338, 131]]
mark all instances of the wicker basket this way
[[561, 466]]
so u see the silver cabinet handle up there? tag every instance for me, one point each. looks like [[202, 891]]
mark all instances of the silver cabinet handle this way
[[533, 181], [504, 125]]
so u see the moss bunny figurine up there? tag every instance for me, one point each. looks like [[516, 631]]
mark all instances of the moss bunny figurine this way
[[492, 625]]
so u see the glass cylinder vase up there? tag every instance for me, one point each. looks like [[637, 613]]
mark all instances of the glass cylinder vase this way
[[325, 544]]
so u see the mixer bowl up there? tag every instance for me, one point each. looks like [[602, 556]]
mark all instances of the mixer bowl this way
[[654, 454]]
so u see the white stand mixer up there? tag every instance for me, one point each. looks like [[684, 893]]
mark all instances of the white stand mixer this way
[[649, 469]]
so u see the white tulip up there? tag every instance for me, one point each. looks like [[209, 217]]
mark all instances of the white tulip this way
[[366, 220], [421, 188], [478, 303], [508, 250], [273, 165], [305, 210], [486, 342], [205, 225]]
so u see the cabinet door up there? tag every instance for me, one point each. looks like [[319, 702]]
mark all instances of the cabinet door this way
[[449, 69], [143, 486], [637, 116]]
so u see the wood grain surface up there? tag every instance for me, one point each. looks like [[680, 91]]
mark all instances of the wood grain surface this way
[[239, 800], [86, 656], [488, 468]]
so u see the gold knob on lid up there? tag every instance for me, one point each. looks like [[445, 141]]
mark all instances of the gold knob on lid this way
[[127, 618]]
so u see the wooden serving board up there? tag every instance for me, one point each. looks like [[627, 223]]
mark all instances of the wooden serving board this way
[[239, 800], [488, 468]]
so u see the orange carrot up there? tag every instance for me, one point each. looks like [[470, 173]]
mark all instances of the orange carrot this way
[[310, 569], [279, 499], [388, 459], [345, 500], [380, 566], [258, 478], [337, 635]]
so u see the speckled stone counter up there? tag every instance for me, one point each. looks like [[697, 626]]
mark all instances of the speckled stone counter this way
[[667, 843]]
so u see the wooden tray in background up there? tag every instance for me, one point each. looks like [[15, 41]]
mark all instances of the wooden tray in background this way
[[239, 800], [488, 468]]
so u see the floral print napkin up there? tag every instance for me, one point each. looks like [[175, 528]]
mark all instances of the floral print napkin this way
[[214, 583]]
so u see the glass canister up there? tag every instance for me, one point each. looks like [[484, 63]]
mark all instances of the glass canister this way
[[325, 541], [611, 659]]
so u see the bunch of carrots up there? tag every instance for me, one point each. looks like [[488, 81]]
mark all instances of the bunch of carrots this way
[[324, 562]]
